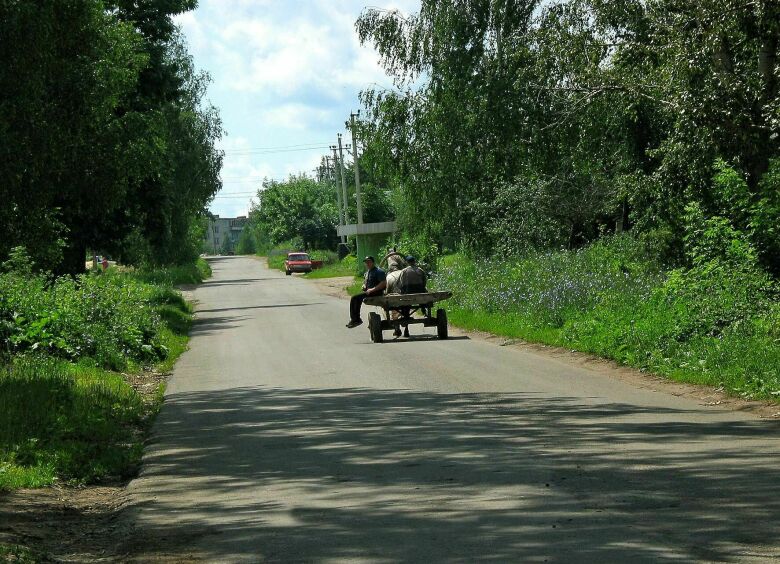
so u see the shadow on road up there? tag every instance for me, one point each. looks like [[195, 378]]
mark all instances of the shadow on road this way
[[517, 477], [272, 306], [237, 282]]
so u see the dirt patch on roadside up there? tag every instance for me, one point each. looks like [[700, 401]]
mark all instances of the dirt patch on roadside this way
[[335, 287], [62, 523]]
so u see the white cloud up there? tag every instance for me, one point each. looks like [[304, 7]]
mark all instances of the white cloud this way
[[284, 73]]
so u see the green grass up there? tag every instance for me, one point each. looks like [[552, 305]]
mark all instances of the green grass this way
[[192, 273], [19, 554], [716, 324], [66, 422], [333, 270], [77, 421], [276, 262], [356, 287]]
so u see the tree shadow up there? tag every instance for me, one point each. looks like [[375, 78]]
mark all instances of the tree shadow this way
[[237, 282], [240, 308], [394, 475]]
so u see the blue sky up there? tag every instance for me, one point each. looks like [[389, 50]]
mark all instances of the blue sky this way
[[286, 74]]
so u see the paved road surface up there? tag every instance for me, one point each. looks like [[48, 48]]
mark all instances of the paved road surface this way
[[286, 437]]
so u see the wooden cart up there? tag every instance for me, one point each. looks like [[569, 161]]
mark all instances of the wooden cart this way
[[407, 305]]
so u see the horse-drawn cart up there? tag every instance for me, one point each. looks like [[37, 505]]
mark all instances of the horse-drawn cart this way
[[406, 305]]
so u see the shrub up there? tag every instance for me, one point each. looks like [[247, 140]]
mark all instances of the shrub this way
[[550, 287], [107, 317], [423, 248]]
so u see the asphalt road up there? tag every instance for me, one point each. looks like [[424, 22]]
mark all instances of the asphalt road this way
[[287, 437]]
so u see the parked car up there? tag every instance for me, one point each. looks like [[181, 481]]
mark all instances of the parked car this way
[[297, 262]]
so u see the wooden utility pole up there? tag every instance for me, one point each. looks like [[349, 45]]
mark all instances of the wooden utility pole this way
[[357, 167]]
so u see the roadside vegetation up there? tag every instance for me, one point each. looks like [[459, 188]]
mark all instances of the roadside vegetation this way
[[108, 148], [717, 323], [603, 176], [74, 350]]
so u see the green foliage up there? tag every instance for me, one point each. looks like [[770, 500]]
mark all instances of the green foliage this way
[[716, 323], [336, 268], [106, 142], [111, 318], [247, 245], [19, 554], [299, 208], [75, 420], [420, 246], [60, 421], [534, 125], [756, 216], [191, 273]]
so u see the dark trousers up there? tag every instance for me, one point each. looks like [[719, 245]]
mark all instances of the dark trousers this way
[[354, 306]]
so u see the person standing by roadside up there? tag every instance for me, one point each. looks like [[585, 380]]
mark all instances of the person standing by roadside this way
[[374, 283]]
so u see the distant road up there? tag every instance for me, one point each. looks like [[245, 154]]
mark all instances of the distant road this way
[[287, 437]]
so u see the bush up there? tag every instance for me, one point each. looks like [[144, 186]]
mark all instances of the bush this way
[[327, 257], [550, 287], [177, 275], [423, 248], [111, 318]]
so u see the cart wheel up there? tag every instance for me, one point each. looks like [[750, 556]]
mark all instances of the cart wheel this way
[[375, 327], [288, 272], [441, 324]]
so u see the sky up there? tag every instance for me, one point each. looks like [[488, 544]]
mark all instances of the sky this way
[[285, 76]]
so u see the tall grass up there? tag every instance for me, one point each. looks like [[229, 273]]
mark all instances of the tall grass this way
[[178, 275], [717, 324], [61, 421]]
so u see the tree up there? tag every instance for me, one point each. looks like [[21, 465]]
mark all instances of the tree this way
[[517, 124], [107, 143], [67, 67], [297, 207]]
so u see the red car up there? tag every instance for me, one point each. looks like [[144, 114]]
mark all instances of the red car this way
[[297, 262]]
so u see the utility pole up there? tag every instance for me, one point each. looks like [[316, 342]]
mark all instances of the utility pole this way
[[343, 181], [332, 178], [341, 199], [357, 167]]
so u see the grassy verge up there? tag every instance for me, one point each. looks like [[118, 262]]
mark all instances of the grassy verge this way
[[716, 324], [192, 273], [82, 381], [356, 287], [276, 262], [346, 267]]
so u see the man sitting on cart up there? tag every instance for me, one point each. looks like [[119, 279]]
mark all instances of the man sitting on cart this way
[[374, 283], [413, 278]]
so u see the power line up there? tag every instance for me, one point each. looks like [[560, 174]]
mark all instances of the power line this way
[[279, 146], [272, 151]]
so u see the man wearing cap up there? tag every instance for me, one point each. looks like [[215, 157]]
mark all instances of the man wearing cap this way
[[413, 278], [374, 283]]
